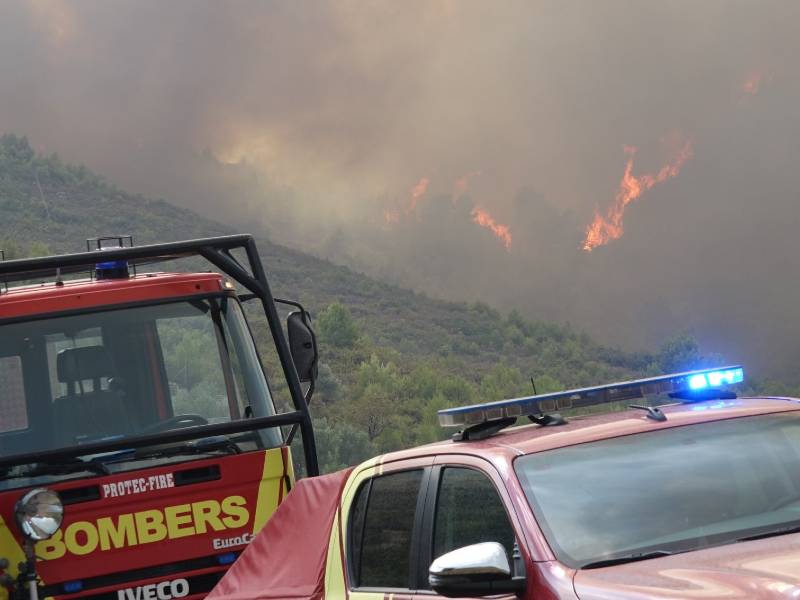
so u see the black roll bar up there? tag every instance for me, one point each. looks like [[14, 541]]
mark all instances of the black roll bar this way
[[217, 251], [140, 441]]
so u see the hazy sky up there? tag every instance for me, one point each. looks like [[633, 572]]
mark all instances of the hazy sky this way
[[373, 132]]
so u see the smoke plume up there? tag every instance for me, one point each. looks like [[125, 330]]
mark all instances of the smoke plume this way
[[458, 147]]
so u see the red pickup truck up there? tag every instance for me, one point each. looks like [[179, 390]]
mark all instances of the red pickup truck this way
[[697, 498]]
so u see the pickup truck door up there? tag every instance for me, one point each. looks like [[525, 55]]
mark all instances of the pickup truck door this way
[[379, 529], [466, 503]]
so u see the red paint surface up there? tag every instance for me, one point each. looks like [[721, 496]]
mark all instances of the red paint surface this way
[[757, 570], [240, 476], [288, 558], [77, 295]]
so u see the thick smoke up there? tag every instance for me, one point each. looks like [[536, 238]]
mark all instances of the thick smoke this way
[[317, 120]]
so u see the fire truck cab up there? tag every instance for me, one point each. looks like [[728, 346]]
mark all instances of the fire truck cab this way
[[140, 446]]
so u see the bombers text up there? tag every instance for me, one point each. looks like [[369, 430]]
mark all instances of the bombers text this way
[[145, 527]]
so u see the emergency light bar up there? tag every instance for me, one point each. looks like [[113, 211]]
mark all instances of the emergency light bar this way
[[700, 381]]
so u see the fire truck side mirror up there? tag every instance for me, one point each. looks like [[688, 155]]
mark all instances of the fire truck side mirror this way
[[302, 345]]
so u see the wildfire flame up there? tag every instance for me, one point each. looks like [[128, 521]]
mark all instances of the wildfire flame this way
[[609, 227], [417, 192], [394, 215], [752, 83], [484, 219]]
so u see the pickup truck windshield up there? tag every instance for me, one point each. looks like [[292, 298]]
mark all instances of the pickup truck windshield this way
[[667, 491], [88, 377]]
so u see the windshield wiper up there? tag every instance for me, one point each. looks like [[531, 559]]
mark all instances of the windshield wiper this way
[[769, 534], [621, 560], [61, 468], [99, 464], [217, 443]]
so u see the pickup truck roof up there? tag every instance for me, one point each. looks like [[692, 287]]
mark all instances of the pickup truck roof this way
[[516, 441]]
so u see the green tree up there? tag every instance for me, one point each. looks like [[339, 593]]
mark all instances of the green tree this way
[[328, 385], [11, 249], [503, 382], [336, 326], [15, 148], [341, 445], [37, 249], [679, 353]]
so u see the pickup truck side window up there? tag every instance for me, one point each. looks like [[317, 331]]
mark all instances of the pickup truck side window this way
[[469, 511], [381, 547]]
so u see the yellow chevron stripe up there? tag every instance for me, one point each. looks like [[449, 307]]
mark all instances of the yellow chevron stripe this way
[[10, 549], [268, 488]]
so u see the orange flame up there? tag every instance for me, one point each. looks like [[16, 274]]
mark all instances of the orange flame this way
[[752, 83], [417, 192], [606, 228], [484, 219]]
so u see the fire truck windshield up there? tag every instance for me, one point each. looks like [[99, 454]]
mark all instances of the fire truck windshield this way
[[96, 376]]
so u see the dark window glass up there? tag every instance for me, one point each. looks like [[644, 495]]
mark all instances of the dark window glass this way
[[386, 541], [469, 511], [126, 371], [13, 408], [357, 529]]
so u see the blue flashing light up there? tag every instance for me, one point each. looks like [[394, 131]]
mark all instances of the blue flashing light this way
[[715, 379], [227, 558], [698, 382], [72, 587], [112, 269], [112, 264], [725, 377], [703, 381]]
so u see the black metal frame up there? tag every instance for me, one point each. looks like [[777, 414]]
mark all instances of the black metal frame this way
[[312, 384], [217, 251]]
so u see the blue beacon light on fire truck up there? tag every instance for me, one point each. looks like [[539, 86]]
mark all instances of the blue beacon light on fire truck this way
[[113, 269], [110, 269], [689, 386]]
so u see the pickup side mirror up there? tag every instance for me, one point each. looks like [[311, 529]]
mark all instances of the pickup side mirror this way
[[476, 570], [302, 345]]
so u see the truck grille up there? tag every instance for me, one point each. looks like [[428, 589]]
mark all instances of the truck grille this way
[[197, 583]]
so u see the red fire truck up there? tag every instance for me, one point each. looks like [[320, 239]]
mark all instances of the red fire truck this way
[[140, 446]]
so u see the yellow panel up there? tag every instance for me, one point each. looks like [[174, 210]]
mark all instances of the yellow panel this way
[[10, 549], [269, 488], [334, 571]]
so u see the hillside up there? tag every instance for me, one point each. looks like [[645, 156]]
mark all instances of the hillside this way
[[390, 357]]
